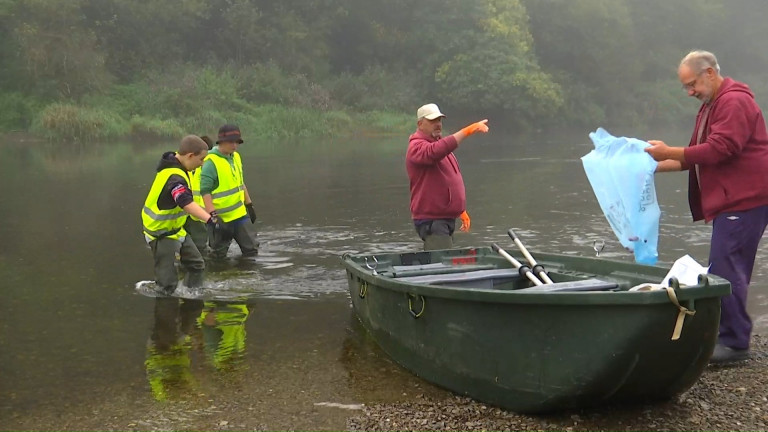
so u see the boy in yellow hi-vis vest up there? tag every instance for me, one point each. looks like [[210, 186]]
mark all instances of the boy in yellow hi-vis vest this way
[[224, 192], [165, 211]]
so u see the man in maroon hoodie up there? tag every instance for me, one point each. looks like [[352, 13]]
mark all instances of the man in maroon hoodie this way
[[437, 188], [727, 162]]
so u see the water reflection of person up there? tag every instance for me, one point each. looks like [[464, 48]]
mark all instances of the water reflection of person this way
[[223, 329], [168, 361]]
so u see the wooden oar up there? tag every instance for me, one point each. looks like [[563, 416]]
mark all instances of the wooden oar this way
[[535, 267], [523, 269]]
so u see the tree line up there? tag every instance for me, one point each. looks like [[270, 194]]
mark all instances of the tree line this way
[[534, 62]]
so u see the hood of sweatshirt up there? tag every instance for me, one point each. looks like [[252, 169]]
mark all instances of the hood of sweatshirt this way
[[168, 160]]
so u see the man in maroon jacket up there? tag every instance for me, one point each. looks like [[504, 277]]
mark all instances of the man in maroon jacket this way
[[727, 163], [437, 188]]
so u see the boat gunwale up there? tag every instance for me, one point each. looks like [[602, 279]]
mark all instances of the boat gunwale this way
[[714, 287]]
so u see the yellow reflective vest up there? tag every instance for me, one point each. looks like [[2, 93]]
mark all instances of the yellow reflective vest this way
[[229, 196], [194, 186], [163, 223]]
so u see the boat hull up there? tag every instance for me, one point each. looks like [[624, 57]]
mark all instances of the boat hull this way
[[542, 351]]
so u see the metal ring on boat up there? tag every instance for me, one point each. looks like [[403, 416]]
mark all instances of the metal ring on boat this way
[[410, 305], [363, 289]]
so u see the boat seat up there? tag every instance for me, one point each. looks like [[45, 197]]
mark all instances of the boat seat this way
[[484, 279], [572, 286], [464, 276], [436, 269]]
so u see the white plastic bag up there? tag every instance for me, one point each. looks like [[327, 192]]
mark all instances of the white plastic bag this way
[[686, 270], [621, 174]]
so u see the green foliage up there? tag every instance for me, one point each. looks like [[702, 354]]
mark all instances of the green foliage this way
[[494, 68], [660, 103], [581, 107], [269, 84], [17, 111], [66, 122], [591, 42], [666, 31], [274, 121], [263, 99], [206, 121], [155, 129], [155, 67], [139, 35], [376, 89], [57, 49], [382, 122]]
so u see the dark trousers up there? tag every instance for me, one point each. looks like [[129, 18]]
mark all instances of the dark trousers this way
[[165, 252], [199, 234], [237, 230], [735, 238], [437, 234]]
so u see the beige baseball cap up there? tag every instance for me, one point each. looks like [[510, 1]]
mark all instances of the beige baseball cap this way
[[429, 112]]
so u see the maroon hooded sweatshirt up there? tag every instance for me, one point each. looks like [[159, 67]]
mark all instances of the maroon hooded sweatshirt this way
[[437, 188], [732, 156]]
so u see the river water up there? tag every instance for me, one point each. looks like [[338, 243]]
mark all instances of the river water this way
[[82, 346]]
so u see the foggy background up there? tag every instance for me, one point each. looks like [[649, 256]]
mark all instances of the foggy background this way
[[531, 63]]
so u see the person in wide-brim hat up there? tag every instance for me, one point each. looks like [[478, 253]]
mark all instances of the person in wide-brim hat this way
[[223, 189]]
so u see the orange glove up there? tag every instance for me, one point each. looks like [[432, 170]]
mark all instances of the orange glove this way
[[480, 126], [465, 222]]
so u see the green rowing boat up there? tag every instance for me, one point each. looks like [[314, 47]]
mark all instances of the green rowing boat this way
[[471, 322]]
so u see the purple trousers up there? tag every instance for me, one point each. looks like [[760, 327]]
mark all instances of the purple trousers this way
[[735, 238]]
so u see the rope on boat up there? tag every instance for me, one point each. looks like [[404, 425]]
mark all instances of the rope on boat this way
[[681, 315]]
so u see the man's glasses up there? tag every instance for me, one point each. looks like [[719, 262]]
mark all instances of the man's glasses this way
[[690, 85]]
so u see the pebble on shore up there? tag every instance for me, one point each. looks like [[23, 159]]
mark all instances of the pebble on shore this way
[[733, 398]]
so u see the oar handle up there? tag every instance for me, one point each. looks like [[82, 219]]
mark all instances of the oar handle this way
[[504, 253], [519, 244], [524, 270]]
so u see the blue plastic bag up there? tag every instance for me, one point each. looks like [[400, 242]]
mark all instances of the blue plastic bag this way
[[621, 175]]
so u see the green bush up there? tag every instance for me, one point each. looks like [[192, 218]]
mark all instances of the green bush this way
[[66, 122], [262, 100], [268, 84], [186, 91], [154, 129], [126, 100], [384, 122], [204, 122], [17, 111], [376, 89]]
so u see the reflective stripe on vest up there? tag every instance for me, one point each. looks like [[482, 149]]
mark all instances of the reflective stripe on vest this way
[[194, 186], [163, 223], [229, 196]]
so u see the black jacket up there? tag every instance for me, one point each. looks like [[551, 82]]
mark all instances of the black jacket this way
[[176, 191]]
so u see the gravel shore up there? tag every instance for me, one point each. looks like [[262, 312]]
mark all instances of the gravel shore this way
[[725, 398], [733, 398]]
